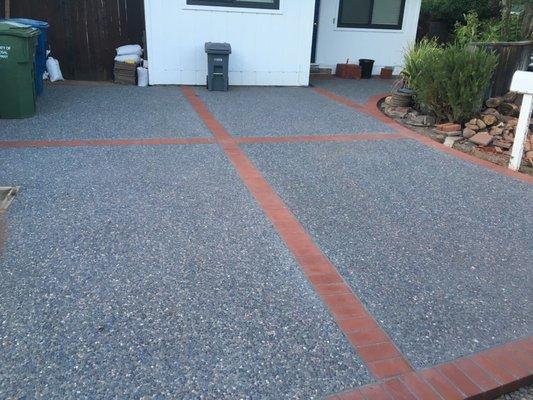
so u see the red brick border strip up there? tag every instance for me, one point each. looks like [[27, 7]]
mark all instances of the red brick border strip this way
[[103, 142], [485, 375], [372, 344], [371, 108]]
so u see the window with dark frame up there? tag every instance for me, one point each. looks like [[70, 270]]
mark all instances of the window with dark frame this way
[[265, 4], [379, 14]]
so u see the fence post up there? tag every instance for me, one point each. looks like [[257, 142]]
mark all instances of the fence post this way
[[522, 83], [7, 9]]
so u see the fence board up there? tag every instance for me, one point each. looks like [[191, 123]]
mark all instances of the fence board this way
[[84, 33], [514, 56]]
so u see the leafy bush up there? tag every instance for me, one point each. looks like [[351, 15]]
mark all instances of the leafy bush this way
[[449, 80], [450, 10], [504, 30]]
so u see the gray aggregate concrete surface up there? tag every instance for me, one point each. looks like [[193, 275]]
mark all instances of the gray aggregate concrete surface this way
[[525, 393], [150, 273], [438, 249], [285, 111], [359, 91], [76, 112]]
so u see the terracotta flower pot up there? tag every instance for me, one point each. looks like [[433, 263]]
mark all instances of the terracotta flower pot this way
[[348, 71], [386, 73]]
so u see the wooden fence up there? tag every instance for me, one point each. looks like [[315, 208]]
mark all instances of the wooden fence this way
[[84, 33], [514, 56]]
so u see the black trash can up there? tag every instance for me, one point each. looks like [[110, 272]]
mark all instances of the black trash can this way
[[217, 65], [366, 68]]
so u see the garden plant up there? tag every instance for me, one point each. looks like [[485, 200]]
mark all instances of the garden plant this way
[[449, 80]]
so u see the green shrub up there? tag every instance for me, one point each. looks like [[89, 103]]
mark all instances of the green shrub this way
[[451, 10], [503, 30], [451, 80]]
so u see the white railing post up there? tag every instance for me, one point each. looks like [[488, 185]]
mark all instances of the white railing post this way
[[522, 83]]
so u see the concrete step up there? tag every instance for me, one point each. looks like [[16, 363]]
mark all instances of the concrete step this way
[[321, 73]]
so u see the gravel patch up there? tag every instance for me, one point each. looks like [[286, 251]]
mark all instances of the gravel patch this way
[[525, 393], [150, 273], [439, 250], [359, 91], [276, 111], [107, 112]]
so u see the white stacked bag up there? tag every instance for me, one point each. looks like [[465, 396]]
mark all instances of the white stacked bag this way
[[130, 53], [127, 63]]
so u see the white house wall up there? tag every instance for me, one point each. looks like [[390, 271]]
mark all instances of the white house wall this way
[[270, 47], [386, 47]]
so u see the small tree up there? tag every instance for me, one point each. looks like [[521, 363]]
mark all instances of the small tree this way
[[513, 26]]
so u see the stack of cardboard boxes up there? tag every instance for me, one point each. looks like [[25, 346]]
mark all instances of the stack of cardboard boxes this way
[[126, 62], [125, 73]]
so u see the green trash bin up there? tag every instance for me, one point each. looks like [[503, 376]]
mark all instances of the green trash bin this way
[[17, 70]]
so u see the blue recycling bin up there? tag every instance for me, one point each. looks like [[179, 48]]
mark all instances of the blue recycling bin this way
[[40, 52]]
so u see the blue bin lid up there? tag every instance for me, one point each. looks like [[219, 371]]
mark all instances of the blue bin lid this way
[[31, 22]]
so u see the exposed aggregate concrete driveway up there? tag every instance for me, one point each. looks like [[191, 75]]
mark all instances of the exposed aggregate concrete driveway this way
[[146, 269]]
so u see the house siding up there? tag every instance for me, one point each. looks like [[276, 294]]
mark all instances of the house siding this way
[[270, 47], [336, 45]]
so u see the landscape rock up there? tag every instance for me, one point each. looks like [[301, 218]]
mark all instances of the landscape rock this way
[[448, 127], [494, 102], [495, 131], [512, 123], [491, 111], [504, 144], [450, 141], [481, 138], [400, 112], [506, 118], [490, 119], [472, 127], [510, 97], [468, 133], [508, 136], [420, 120], [509, 109], [481, 124]]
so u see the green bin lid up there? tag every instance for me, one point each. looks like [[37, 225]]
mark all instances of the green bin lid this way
[[16, 29]]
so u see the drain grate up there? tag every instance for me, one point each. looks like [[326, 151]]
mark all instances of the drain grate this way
[[7, 193]]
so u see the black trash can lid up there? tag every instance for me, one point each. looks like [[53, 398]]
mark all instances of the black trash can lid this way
[[217, 48], [365, 60]]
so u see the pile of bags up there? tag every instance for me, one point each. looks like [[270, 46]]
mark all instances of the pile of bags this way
[[128, 68]]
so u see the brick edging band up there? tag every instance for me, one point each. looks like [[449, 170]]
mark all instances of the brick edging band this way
[[373, 345], [371, 108], [485, 375]]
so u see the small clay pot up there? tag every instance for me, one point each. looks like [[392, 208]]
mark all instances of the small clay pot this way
[[386, 73], [348, 71]]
